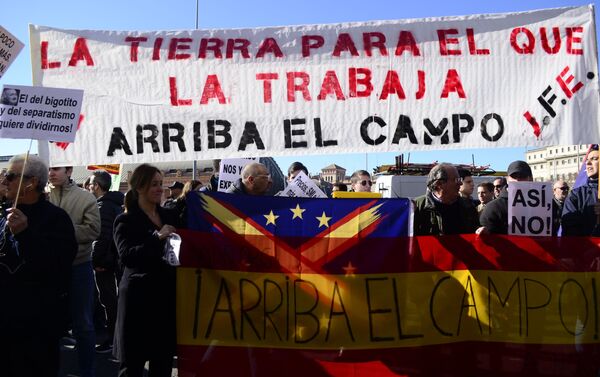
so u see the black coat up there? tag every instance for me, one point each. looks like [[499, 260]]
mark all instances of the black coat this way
[[578, 217], [35, 276], [495, 214], [104, 250], [146, 310]]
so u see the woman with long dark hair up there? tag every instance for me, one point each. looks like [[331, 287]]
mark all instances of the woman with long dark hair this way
[[145, 329]]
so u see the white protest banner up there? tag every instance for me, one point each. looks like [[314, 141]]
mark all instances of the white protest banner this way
[[10, 47], [530, 208], [302, 186], [230, 170], [483, 81], [30, 112]]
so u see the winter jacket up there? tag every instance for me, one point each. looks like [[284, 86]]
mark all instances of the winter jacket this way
[[431, 216], [578, 218], [495, 214], [81, 207], [237, 188], [104, 251], [35, 272]]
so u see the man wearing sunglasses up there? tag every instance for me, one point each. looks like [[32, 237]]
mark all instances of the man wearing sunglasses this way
[[441, 210], [37, 248], [499, 185], [361, 181]]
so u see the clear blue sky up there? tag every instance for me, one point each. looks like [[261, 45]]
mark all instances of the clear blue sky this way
[[180, 14]]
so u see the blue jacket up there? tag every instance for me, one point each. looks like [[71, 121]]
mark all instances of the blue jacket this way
[[578, 218]]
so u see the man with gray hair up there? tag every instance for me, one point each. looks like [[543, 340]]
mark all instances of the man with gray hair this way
[[104, 252], [255, 180], [37, 248], [441, 210]]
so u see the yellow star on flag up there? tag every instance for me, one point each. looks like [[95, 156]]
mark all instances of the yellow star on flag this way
[[350, 269], [323, 220], [297, 211], [271, 217]]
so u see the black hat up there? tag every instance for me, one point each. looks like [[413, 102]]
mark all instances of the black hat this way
[[176, 185], [519, 169]]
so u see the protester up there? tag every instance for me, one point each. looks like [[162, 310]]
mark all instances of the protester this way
[[560, 190], [467, 186], [213, 183], [494, 218], [180, 203], [499, 185], [441, 210], [37, 248], [145, 329], [339, 187], [175, 191], [360, 181], [255, 180], [81, 207], [581, 207], [485, 193], [104, 251], [294, 169]]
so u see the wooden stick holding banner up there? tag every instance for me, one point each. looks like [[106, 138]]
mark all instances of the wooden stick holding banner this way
[[22, 174]]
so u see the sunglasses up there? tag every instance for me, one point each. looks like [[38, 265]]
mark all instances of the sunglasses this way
[[562, 188], [12, 176], [364, 182], [498, 186]]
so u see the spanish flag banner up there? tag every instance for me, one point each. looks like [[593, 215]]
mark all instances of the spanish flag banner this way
[[273, 286]]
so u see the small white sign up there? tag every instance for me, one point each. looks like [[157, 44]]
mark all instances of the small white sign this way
[[10, 47], [231, 170], [302, 186], [530, 208], [31, 112]]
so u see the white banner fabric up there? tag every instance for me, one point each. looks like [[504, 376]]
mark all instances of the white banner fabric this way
[[480, 81]]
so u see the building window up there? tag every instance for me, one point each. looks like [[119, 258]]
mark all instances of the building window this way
[[541, 166], [551, 177], [550, 151], [568, 149], [550, 163]]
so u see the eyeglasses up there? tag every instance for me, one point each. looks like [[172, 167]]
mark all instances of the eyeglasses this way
[[364, 182], [562, 188], [12, 176], [263, 175]]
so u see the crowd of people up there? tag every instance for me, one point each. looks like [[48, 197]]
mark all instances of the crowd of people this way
[[67, 251]]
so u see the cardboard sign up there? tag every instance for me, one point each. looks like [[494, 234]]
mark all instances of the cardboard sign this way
[[10, 47], [530, 208], [29, 112], [302, 187], [230, 171], [479, 81]]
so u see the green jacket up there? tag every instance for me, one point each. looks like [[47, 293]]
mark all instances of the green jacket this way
[[428, 219]]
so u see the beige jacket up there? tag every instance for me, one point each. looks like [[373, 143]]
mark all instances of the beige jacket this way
[[83, 211]]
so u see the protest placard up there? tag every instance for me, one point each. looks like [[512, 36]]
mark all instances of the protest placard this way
[[302, 187], [530, 208], [29, 112], [478, 81], [230, 170], [10, 47]]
